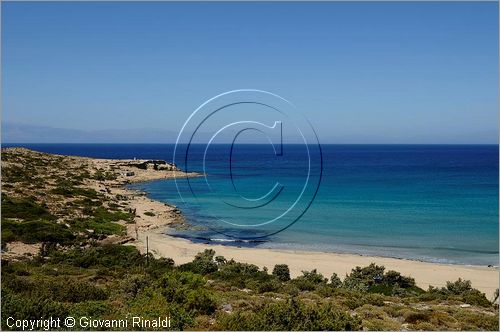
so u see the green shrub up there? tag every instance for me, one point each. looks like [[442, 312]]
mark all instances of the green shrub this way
[[187, 288], [29, 307], [271, 285], [290, 315], [460, 290], [393, 278], [335, 281], [102, 175], [24, 208], [109, 255], [98, 227], [363, 278], [131, 285], [373, 279], [61, 289], [36, 231], [201, 302], [242, 275], [90, 308], [68, 190], [309, 281], [158, 267], [203, 263], [282, 272], [459, 287], [475, 297], [104, 215]]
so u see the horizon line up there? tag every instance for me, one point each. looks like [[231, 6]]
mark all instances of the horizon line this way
[[173, 143]]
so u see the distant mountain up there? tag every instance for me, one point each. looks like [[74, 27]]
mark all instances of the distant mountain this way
[[21, 133]]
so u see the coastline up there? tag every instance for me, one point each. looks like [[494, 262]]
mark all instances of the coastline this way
[[152, 218], [426, 274]]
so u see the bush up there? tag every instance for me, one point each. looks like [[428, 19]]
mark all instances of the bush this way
[[362, 278], [282, 272], [27, 307], [159, 266], [271, 285], [59, 289], [220, 260], [105, 215], [242, 275], [133, 284], [68, 190], [309, 281], [201, 302], [203, 263], [372, 279], [24, 208], [290, 315], [99, 227], [186, 288], [109, 255], [335, 281], [459, 287], [460, 290], [36, 231], [102, 175], [89, 309], [393, 278]]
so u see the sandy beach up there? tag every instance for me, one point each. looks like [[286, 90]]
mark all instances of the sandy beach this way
[[152, 219], [425, 274], [181, 251]]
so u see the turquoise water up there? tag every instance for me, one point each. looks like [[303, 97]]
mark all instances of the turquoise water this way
[[428, 202], [433, 203]]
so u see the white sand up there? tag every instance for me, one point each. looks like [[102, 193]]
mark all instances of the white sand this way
[[483, 278], [161, 215]]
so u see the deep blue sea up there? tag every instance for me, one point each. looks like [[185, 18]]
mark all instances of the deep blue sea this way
[[429, 202]]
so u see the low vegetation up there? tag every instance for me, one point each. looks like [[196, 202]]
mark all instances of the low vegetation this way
[[77, 273], [111, 281]]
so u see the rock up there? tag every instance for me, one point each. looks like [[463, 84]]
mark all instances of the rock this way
[[465, 305], [167, 167], [228, 308], [114, 239]]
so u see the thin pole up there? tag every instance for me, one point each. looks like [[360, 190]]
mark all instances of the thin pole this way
[[147, 250]]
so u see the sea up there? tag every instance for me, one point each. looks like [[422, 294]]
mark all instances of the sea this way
[[436, 203]]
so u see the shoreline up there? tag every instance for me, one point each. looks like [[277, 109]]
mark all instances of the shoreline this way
[[425, 273], [152, 218], [181, 250], [233, 243]]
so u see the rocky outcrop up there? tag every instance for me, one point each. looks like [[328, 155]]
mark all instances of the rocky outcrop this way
[[158, 165]]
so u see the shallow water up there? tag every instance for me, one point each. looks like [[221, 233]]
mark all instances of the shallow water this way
[[427, 202]]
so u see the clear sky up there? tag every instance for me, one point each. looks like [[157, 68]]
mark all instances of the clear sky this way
[[361, 72]]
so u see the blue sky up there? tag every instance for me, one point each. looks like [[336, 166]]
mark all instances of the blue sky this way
[[360, 72]]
